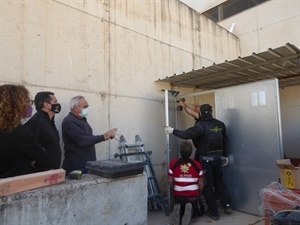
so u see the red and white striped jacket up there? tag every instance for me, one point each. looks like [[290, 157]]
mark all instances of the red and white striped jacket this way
[[186, 173]]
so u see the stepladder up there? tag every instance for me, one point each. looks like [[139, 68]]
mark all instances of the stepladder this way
[[136, 152]]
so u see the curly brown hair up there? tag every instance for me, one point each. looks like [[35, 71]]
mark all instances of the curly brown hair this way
[[14, 102]]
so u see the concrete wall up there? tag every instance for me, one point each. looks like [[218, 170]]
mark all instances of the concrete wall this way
[[270, 25], [112, 52], [91, 200]]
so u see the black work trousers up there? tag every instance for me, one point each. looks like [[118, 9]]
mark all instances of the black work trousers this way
[[214, 185], [197, 205]]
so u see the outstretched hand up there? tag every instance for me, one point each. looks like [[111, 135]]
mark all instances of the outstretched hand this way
[[110, 134]]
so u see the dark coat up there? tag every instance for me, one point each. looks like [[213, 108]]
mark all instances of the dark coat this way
[[47, 135], [79, 142], [18, 149], [207, 135]]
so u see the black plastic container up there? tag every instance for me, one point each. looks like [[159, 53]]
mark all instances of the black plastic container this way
[[114, 168]]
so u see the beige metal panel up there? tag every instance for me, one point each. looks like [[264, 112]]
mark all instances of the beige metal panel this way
[[290, 114]]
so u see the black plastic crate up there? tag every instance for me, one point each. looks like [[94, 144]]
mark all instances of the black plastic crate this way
[[114, 168]]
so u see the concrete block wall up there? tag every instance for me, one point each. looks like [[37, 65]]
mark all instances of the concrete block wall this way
[[91, 200], [112, 52]]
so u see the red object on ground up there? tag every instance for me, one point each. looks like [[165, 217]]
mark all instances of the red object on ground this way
[[276, 198]]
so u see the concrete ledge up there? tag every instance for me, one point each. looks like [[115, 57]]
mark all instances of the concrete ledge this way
[[91, 200]]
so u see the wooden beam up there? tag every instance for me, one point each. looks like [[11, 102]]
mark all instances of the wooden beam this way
[[21, 183]]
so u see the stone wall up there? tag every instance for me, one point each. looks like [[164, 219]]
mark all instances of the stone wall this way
[[91, 200]]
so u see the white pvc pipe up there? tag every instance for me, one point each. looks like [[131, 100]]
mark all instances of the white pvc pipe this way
[[167, 145], [167, 107]]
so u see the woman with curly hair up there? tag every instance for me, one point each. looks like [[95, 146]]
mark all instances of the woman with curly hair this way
[[20, 152]]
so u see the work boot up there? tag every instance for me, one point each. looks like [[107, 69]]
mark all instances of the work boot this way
[[175, 218], [214, 217], [227, 209], [186, 219]]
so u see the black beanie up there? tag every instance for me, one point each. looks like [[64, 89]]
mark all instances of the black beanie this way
[[206, 108]]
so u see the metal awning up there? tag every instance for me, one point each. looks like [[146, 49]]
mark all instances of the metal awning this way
[[282, 63]]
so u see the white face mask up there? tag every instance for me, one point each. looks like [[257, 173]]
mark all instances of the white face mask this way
[[84, 112]]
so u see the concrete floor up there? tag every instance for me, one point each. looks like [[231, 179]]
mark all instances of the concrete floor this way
[[235, 218]]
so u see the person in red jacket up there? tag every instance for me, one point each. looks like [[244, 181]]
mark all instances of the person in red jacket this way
[[186, 179], [209, 136]]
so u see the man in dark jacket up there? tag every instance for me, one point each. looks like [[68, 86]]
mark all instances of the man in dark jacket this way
[[43, 126], [77, 134], [210, 139]]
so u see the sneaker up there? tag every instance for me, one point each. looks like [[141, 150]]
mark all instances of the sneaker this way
[[216, 217], [175, 215], [186, 219], [227, 209]]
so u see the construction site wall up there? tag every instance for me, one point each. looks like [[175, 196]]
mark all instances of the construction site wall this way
[[111, 52], [271, 25], [90, 200]]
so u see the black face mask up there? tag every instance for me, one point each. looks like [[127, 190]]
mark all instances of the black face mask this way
[[55, 107]]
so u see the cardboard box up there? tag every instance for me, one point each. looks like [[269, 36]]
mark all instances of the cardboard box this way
[[289, 174]]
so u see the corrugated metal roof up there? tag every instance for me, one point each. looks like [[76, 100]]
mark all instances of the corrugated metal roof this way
[[282, 63]]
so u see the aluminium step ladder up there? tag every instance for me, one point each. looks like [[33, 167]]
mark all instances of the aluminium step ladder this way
[[136, 152]]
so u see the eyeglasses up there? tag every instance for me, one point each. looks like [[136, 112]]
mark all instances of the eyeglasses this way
[[31, 102]]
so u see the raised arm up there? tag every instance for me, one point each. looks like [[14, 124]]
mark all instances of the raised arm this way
[[189, 109]]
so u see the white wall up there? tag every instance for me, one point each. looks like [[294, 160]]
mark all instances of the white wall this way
[[268, 25], [112, 52], [271, 25]]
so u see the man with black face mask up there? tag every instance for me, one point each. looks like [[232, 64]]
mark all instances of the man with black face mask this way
[[43, 127]]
